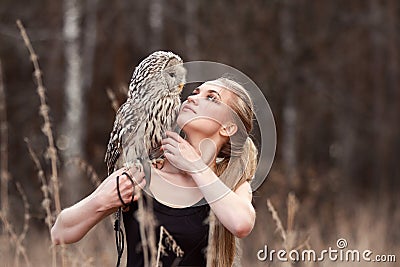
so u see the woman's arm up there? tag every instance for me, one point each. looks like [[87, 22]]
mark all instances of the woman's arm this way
[[233, 209], [74, 222]]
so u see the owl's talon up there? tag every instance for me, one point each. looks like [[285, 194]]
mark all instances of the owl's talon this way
[[138, 166], [157, 163]]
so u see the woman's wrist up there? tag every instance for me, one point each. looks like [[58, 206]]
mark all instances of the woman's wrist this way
[[199, 170], [197, 167], [210, 185]]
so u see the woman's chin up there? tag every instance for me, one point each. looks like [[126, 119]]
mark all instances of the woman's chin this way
[[185, 120]]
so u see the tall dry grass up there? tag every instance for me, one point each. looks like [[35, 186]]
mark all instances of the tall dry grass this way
[[15, 240], [39, 247], [290, 238], [44, 111]]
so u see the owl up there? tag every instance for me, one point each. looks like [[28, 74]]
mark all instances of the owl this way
[[151, 108]]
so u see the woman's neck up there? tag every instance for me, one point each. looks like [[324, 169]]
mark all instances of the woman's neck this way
[[170, 168], [206, 147]]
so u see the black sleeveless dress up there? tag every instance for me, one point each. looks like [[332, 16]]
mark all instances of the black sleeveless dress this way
[[186, 225]]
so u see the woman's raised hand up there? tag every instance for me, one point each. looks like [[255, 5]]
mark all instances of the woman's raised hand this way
[[183, 155], [74, 222]]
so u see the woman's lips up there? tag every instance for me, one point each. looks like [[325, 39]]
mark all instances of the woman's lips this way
[[187, 107]]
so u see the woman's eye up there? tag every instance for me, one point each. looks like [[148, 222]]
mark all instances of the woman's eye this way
[[212, 98]]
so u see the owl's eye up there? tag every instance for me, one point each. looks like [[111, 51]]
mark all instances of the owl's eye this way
[[171, 74]]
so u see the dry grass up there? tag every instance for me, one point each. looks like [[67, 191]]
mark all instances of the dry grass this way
[[277, 220], [114, 103], [86, 168], [17, 240], [289, 235], [46, 203], [170, 243], [44, 110]]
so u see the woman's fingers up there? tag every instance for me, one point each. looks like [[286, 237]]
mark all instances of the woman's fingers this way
[[169, 141], [127, 183], [173, 146], [135, 172], [125, 189], [175, 136], [169, 149]]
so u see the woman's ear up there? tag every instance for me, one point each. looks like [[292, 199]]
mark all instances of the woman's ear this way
[[228, 130]]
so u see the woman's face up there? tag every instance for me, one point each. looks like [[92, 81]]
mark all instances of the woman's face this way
[[206, 110]]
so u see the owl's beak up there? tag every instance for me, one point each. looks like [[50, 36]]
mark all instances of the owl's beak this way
[[180, 86]]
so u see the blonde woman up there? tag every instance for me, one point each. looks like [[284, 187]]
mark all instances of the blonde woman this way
[[202, 195]]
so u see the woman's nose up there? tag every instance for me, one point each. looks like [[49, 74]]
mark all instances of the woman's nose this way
[[192, 99]]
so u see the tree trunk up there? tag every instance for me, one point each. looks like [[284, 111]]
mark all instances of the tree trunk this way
[[73, 129], [377, 66], [191, 36], [4, 174], [393, 96], [156, 23], [289, 124], [89, 42]]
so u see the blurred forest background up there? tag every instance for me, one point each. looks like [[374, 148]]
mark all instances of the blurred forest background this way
[[329, 70]]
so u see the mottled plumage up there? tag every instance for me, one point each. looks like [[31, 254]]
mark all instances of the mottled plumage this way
[[151, 108]]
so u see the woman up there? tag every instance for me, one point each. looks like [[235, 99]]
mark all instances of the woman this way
[[215, 163]]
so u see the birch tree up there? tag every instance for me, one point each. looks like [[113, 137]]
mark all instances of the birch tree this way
[[73, 126], [287, 40], [377, 66], [191, 35], [156, 23], [89, 42]]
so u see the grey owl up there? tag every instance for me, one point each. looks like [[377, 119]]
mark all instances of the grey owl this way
[[151, 108]]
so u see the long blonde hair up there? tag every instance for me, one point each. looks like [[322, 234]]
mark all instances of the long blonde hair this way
[[238, 156]]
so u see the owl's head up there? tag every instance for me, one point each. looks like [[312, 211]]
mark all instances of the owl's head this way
[[160, 74]]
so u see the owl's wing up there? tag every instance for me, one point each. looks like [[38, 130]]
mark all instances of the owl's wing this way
[[127, 122]]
